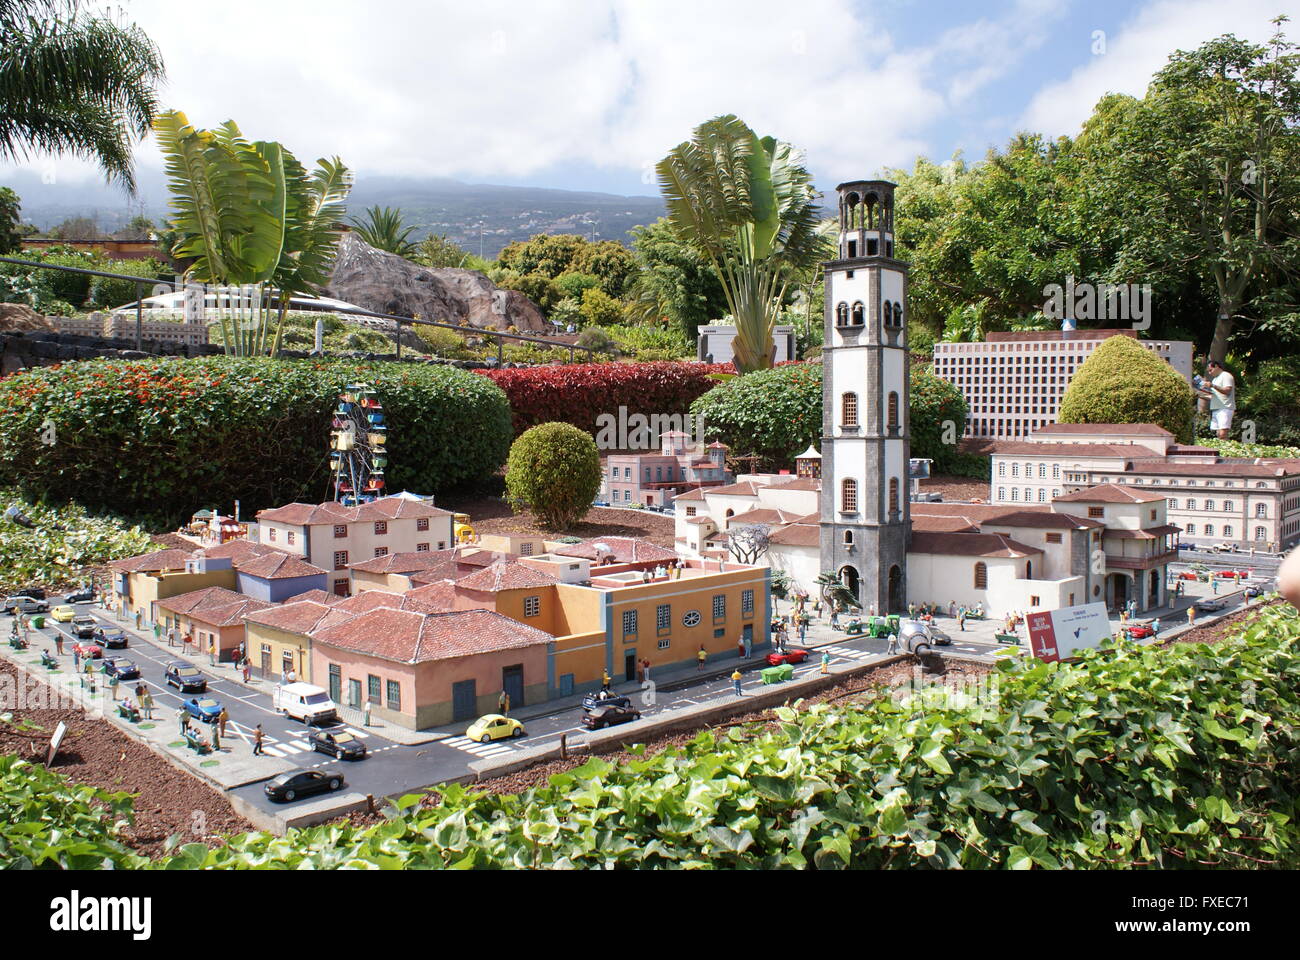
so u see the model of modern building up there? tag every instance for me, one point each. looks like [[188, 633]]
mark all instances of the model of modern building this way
[[714, 343], [1013, 382]]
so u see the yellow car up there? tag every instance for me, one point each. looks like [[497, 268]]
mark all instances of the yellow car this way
[[493, 726], [63, 613]]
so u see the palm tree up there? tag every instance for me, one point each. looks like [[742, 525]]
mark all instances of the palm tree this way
[[75, 82], [250, 215], [383, 229], [749, 205], [834, 592]]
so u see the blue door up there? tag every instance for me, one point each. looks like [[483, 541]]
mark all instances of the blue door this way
[[566, 684], [464, 700]]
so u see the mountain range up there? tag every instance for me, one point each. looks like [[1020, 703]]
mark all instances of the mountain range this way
[[431, 205]]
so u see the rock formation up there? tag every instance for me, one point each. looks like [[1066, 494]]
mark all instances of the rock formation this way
[[386, 283], [19, 316]]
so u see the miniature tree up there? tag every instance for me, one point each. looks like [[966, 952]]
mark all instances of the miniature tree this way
[[748, 543], [554, 470]]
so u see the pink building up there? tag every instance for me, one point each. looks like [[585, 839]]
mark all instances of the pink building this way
[[654, 479]]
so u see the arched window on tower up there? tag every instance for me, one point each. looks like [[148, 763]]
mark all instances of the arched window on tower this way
[[887, 313], [842, 315], [893, 412], [898, 314], [849, 410], [848, 538], [849, 496], [859, 314]]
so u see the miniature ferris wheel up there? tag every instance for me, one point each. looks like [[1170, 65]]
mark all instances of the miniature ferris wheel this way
[[358, 445]]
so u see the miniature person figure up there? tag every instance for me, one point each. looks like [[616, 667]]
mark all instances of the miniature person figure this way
[[803, 630], [952, 609], [222, 719], [216, 738], [826, 662], [1191, 616], [212, 652], [700, 658], [366, 714], [835, 617], [961, 619], [740, 646], [146, 702], [893, 644], [58, 643], [735, 681], [76, 655], [157, 632], [112, 687], [646, 671], [1155, 627], [605, 679], [1214, 585], [257, 741], [248, 670], [183, 716], [503, 704], [749, 645]]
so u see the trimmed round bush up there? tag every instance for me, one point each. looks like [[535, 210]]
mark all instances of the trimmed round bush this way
[[1123, 382], [554, 470], [154, 440]]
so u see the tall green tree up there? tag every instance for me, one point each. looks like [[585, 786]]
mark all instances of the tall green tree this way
[[75, 80], [749, 205], [674, 281], [1213, 152], [384, 229], [11, 223], [249, 214]]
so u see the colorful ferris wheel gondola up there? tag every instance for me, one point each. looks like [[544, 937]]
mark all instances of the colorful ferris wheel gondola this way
[[358, 441]]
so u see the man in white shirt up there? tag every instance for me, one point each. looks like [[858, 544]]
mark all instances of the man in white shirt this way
[[1222, 392]]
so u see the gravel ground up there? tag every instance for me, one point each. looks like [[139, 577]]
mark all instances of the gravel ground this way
[[95, 752], [956, 489]]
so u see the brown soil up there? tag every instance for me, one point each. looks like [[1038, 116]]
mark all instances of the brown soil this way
[[956, 489], [96, 753], [493, 515]]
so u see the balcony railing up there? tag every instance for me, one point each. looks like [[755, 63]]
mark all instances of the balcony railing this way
[[1141, 563]]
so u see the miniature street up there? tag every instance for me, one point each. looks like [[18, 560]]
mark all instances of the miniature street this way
[[410, 760]]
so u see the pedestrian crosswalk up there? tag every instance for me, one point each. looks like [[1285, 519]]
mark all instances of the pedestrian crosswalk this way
[[485, 750], [272, 746], [850, 652]]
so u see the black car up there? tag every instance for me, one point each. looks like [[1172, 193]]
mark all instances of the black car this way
[[185, 677], [36, 593], [609, 714], [291, 786], [341, 746], [84, 595], [593, 700], [114, 640], [122, 668]]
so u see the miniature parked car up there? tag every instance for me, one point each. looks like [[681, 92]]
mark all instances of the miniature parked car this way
[[84, 627], [122, 668], [205, 709], [776, 658], [36, 593], [609, 714], [341, 746], [185, 677], [1187, 575], [493, 726], [1139, 631], [1210, 604], [114, 639], [21, 604], [87, 649], [288, 787], [939, 637], [1259, 589], [595, 699], [63, 614], [84, 595], [304, 702]]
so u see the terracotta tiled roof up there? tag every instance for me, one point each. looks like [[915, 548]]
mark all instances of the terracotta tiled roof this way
[[1061, 451], [1111, 493], [695, 494], [505, 575], [765, 515], [441, 594], [1131, 429], [368, 600], [797, 535], [409, 637], [745, 489], [969, 545], [387, 508], [704, 519], [1250, 468], [195, 599], [151, 562], [316, 596], [483, 558], [278, 566], [300, 616], [1023, 515], [417, 562], [954, 524], [623, 549], [229, 614], [1150, 533]]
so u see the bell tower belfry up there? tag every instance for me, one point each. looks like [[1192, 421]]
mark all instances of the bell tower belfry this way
[[865, 520]]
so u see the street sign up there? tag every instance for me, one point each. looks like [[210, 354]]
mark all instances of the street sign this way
[[1057, 634], [55, 740]]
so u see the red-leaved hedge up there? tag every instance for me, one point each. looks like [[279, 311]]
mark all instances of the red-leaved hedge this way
[[579, 393]]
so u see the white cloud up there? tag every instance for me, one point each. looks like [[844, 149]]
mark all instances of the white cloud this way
[[1140, 48], [504, 89]]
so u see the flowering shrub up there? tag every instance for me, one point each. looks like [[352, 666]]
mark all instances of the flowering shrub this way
[[579, 393], [154, 440]]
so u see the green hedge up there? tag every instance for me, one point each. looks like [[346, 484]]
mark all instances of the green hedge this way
[[154, 440]]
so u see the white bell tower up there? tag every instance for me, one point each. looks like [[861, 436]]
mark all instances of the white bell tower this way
[[865, 521]]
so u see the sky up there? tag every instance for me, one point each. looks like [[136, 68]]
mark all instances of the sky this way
[[589, 94]]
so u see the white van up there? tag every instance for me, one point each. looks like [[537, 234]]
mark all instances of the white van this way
[[304, 702]]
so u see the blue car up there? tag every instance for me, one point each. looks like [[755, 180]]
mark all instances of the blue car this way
[[122, 668], [114, 640], [205, 709]]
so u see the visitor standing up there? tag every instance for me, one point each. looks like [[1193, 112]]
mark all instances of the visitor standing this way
[[735, 681], [1221, 390], [700, 658]]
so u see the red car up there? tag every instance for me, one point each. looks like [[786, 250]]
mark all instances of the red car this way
[[775, 659], [1186, 576], [1139, 631], [1231, 574], [88, 650]]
